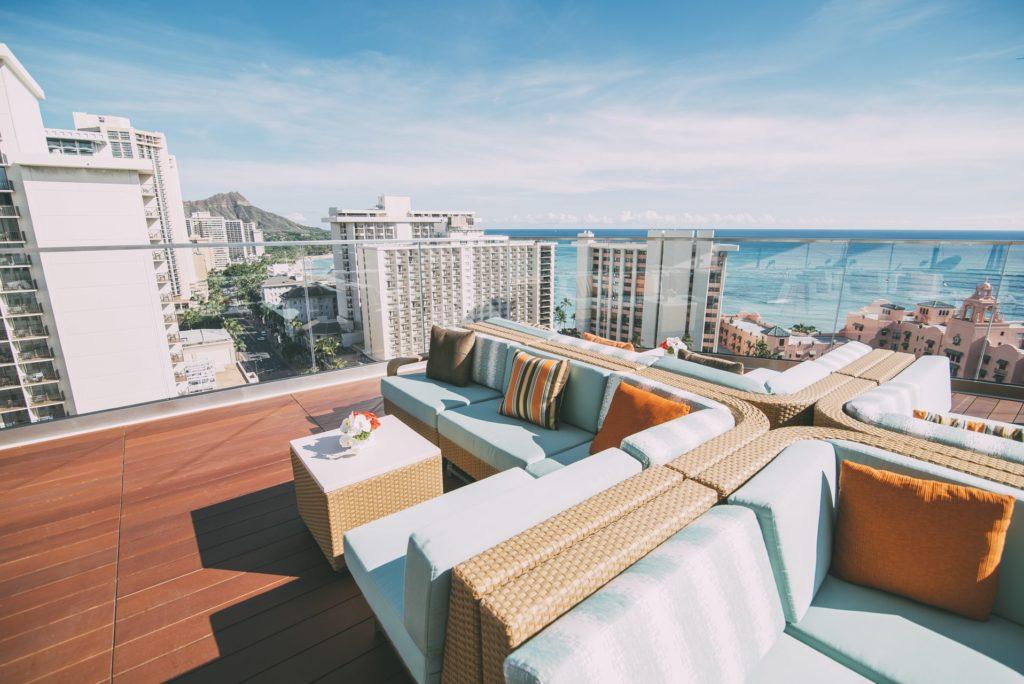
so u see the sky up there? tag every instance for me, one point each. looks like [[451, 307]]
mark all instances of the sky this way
[[869, 114]]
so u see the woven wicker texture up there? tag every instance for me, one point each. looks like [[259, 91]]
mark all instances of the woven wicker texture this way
[[829, 413], [329, 516], [505, 333], [422, 429], [465, 461], [888, 368], [475, 578], [869, 360], [520, 608], [586, 356]]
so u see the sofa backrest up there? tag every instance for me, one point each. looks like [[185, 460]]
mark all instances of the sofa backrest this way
[[581, 401], [702, 606], [717, 376], [696, 401], [607, 350], [489, 354], [522, 327], [798, 377], [794, 499], [930, 375], [844, 354], [437, 547], [958, 437]]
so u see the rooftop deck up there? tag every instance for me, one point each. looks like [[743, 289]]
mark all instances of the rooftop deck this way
[[174, 549]]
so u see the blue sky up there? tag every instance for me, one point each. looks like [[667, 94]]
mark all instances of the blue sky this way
[[802, 114]]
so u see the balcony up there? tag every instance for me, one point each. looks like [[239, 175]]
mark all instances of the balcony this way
[[6, 186], [24, 285], [24, 309], [8, 211], [31, 332], [9, 235]]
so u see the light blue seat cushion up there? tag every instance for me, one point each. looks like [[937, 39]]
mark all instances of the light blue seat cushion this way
[[892, 639], [791, 660], [990, 445], [437, 547], [559, 460], [424, 398], [504, 442], [708, 374], [584, 390], [700, 607], [523, 328], [794, 499], [375, 555], [797, 378]]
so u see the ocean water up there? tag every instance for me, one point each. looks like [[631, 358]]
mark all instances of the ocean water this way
[[788, 280]]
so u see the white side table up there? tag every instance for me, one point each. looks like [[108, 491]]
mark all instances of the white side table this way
[[337, 490]]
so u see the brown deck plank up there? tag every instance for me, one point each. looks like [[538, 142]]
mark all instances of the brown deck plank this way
[[961, 402], [1006, 410], [982, 407], [191, 522]]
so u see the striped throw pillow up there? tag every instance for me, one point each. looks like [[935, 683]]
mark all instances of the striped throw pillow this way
[[1014, 433], [534, 388]]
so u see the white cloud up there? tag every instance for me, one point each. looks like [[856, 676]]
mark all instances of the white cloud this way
[[296, 216]]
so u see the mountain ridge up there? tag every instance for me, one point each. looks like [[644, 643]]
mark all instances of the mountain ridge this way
[[234, 205]]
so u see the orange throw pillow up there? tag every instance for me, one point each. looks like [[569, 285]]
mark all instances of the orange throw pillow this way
[[632, 410], [628, 346], [933, 542]]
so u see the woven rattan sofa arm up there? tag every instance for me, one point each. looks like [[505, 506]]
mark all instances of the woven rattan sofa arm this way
[[517, 610], [395, 364]]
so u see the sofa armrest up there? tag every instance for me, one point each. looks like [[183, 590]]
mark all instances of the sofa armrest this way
[[395, 364], [671, 439]]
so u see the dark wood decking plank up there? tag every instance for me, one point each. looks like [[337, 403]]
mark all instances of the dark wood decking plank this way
[[961, 402], [1006, 410], [982, 407]]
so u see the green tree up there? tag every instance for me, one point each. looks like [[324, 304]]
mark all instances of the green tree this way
[[804, 328], [325, 349], [762, 350]]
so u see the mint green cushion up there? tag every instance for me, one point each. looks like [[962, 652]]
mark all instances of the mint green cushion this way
[[375, 555], [708, 374], [559, 460], [435, 548], [791, 660], [424, 398], [504, 442], [892, 639], [583, 393], [1010, 597], [520, 327], [701, 607], [794, 497]]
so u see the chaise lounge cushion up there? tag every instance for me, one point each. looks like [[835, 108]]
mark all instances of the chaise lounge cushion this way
[[504, 442], [522, 327], [980, 442], [844, 355], [437, 547], [424, 399], [890, 638], [712, 375], [375, 555], [798, 377]]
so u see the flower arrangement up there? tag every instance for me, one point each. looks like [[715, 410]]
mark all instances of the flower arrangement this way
[[358, 427], [674, 345]]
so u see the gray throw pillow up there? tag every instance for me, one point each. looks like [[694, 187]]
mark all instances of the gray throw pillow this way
[[451, 355]]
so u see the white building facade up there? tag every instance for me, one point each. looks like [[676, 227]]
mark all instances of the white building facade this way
[[643, 291], [82, 330], [202, 226]]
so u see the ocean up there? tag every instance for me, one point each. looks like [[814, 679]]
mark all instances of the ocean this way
[[787, 280]]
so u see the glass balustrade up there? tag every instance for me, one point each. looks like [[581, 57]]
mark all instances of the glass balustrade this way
[[160, 323]]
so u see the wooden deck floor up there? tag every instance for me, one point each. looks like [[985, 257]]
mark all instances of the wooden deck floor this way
[[173, 549]]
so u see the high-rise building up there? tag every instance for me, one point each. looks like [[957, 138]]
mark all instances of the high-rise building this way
[[643, 291], [407, 288], [392, 219], [205, 227], [81, 330], [165, 212]]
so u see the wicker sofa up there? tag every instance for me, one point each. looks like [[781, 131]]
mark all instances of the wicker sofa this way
[[885, 410], [474, 436], [786, 398], [744, 592]]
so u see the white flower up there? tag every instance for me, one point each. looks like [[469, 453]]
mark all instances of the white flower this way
[[675, 344], [355, 424]]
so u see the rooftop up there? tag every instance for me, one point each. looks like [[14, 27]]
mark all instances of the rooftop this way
[[124, 554]]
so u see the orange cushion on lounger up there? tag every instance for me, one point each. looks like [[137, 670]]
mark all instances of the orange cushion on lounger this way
[[628, 346], [933, 542], [632, 410]]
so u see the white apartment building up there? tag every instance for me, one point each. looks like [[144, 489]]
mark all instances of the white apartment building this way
[[392, 219], [644, 291], [202, 226], [80, 331], [161, 192], [408, 288]]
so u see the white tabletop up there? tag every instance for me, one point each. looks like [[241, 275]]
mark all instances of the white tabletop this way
[[393, 445]]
